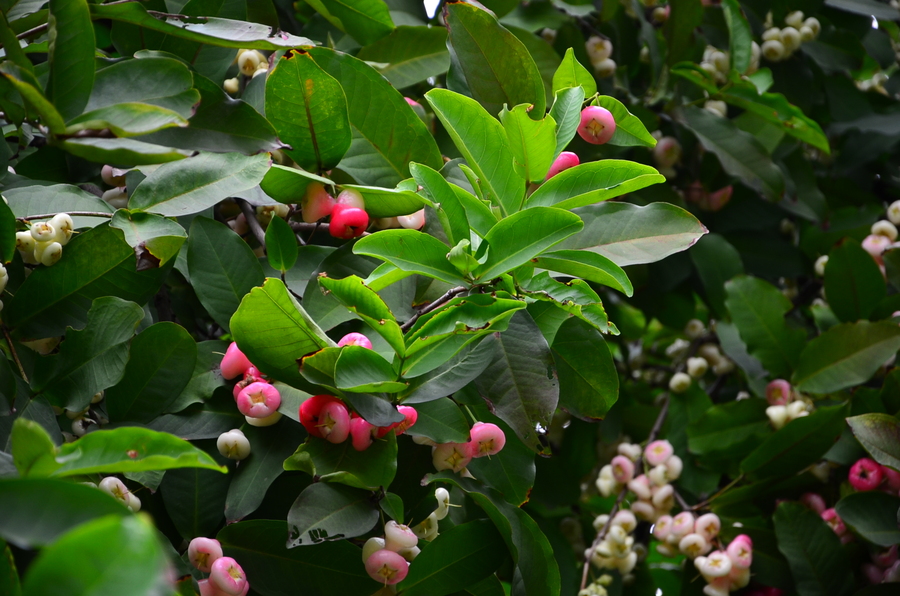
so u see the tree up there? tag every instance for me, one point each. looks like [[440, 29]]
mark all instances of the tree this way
[[530, 298]]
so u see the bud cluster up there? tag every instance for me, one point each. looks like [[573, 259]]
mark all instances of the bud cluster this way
[[616, 550], [226, 578], [600, 50], [43, 243], [784, 404], [718, 63], [727, 570], [655, 495], [779, 44]]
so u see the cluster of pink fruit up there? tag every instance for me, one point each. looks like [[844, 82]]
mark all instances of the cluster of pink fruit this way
[[727, 570], [226, 578], [685, 533], [867, 474], [326, 417], [656, 496], [387, 559], [257, 399], [784, 405], [349, 218], [485, 439]]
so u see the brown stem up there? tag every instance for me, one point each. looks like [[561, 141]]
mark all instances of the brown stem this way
[[34, 31], [72, 213], [449, 295], [15, 356], [250, 215]]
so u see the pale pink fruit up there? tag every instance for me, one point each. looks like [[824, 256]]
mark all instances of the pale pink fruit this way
[[451, 456], [564, 161], [865, 474], [226, 575], [693, 545], [658, 452], [623, 469], [398, 536], [891, 478], [234, 363], [717, 564], [814, 501], [486, 438], [311, 411], [258, 400], [664, 497], [203, 552], [355, 339], [682, 524], [644, 510], [778, 392], [641, 487], [413, 221], [667, 152], [387, 567], [597, 125], [316, 203], [834, 520], [708, 526], [362, 433], [875, 245], [351, 198], [740, 551], [334, 422], [348, 222], [663, 527], [719, 198], [412, 103]]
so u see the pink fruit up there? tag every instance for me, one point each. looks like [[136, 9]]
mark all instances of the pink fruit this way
[[311, 413], [228, 577], [740, 551], [348, 222], [891, 478], [409, 418], [623, 469], [334, 422], [708, 526], [814, 501], [834, 520], [451, 456], [316, 203], [413, 103], [387, 567], [778, 392], [413, 221], [667, 152], [658, 452], [234, 363], [875, 245], [398, 536], [258, 400], [486, 439], [351, 198], [597, 125], [355, 339], [203, 552], [865, 474], [566, 160], [682, 524], [362, 433], [663, 527]]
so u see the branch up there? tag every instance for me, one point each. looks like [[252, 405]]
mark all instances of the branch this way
[[15, 356], [312, 227], [35, 31], [250, 215], [660, 419], [72, 213], [449, 295]]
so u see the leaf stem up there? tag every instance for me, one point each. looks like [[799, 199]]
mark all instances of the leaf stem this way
[[449, 295], [250, 215]]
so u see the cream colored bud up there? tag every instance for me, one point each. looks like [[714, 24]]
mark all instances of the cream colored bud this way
[[231, 86], [719, 108], [605, 68], [679, 383], [790, 39], [598, 48], [806, 34], [820, 265], [773, 33], [697, 367], [813, 23], [50, 253], [794, 19], [885, 228], [773, 50], [893, 213], [248, 62], [721, 62], [43, 231], [116, 197], [694, 328], [64, 227], [777, 416], [233, 444]]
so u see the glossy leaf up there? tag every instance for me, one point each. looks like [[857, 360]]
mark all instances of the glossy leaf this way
[[33, 200], [288, 185], [586, 265], [71, 56], [588, 383], [194, 499], [156, 81], [410, 55], [281, 245], [160, 365], [367, 305], [440, 420], [451, 211], [845, 355], [522, 236], [150, 233], [28, 87], [878, 434], [455, 374], [730, 429], [370, 469], [130, 449], [388, 202], [411, 250], [325, 512], [629, 234], [593, 182], [130, 152], [361, 370], [739, 34], [853, 282], [716, 261], [566, 112], [7, 233], [575, 297], [530, 141], [126, 120], [366, 21], [630, 131], [872, 515], [194, 184], [572, 74], [33, 452]]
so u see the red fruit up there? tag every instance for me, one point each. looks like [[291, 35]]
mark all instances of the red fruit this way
[[355, 339], [834, 520], [566, 160], [597, 125], [316, 203], [865, 474], [234, 363], [310, 412], [778, 392], [334, 422], [891, 478], [486, 439], [348, 222], [814, 501], [361, 433]]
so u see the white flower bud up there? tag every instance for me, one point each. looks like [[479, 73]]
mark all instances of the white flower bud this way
[[719, 108], [794, 19], [697, 367], [720, 61], [790, 39], [674, 466], [664, 497], [773, 33], [625, 519], [820, 265], [680, 382], [693, 545], [885, 228], [695, 327], [605, 68], [233, 445], [777, 416], [231, 86], [773, 50], [248, 62], [627, 564], [598, 49], [600, 521], [43, 231], [717, 564], [616, 535], [723, 367], [806, 34], [813, 23]]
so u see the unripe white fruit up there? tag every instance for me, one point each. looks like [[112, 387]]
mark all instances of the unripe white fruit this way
[[625, 519], [248, 62], [679, 383], [813, 23], [778, 416], [720, 60], [710, 352], [372, 545], [719, 108], [773, 50], [233, 445], [794, 19], [773, 33], [133, 502], [231, 86], [694, 328], [796, 409], [806, 34], [790, 39], [598, 49], [674, 466], [443, 498], [605, 68], [710, 68], [115, 487], [398, 536], [116, 197], [269, 420], [660, 14], [64, 227], [893, 213], [659, 475], [631, 451], [113, 176], [25, 245], [820, 265], [43, 232], [885, 228], [617, 535], [50, 253], [697, 367]]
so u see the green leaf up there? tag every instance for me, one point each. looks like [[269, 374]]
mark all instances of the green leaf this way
[[325, 512], [630, 131], [853, 282], [330, 568], [757, 309], [872, 515], [194, 184], [586, 265], [29, 88], [387, 133], [453, 375], [281, 245], [125, 152], [411, 250], [440, 420], [92, 359], [879, 434], [819, 565], [194, 499], [370, 469], [483, 142], [32, 449], [366, 21], [34, 512], [353, 293], [845, 355], [308, 108], [800, 443], [269, 447], [522, 236], [630, 235], [575, 297], [588, 382], [716, 261], [530, 142], [388, 202], [7, 233], [222, 267], [866, 8], [739, 152], [497, 67], [130, 449], [593, 182], [409, 55], [572, 74], [160, 365], [288, 185], [731, 429], [361, 370], [71, 56], [566, 112], [126, 119], [96, 557], [150, 233], [157, 81], [739, 34], [273, 330], [214, 31], [451, 211], [457, 558]]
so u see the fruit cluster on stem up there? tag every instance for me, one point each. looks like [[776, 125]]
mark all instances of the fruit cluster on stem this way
[[226, 578]]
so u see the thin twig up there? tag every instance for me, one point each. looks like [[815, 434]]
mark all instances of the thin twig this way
[[250, 215], [312, 227], [34, 31], [449, 295], [15, 356], [660, 419], [72, 213]]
